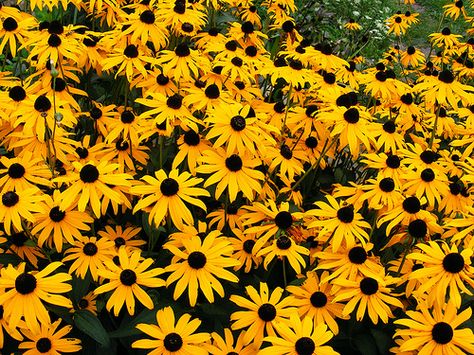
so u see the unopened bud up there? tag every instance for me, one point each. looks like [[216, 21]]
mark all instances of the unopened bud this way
[[58, 116]]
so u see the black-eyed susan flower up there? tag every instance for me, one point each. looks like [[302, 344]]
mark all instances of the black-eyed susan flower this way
[[127, 279], [49, 339], [88, 302], [130, 60], [172, 337], [127, 237], [243, 250], [226, 345], [434, 332], [262, 311], [18, 205], [24, 293], [166, 195], [199, 265], [4, 326], [22, 245]]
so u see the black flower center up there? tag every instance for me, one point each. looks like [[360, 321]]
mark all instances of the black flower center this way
[[131, 51], [455, 188], [351, 115], [240, 85], [58, 85], [428, 156], [459, 4], [286, 152], [389, 127], [442, 333], [25, 283], [147, 17], [427, 175], [251, 51], [357, 255], [318, 299], [121, 145], [182, 50], [453, 263], [162, 80], [55, 27], [54, 40], [191, 138], [296, 65], [18, 239], [393, 161], [43, 345], [283, 242], [387, 185], [288, 26], [119, 242], [10, 199], [16, 171], [248, 246], [369, 286], [173, 342], [212, 91], [411, 50], [329, 78], [283, 220], [127, 117], [179, 8], [279, 107], [83, 303], [446, 31], [89, 173], [56, 215], [10, 24], [90, 249], [42, 104], [169, 187], [197, 260], [17, 93], [407, 99], [311, 142], [398, 19], [247, 27], [446, 76], [417, 228], [411, 205], [128, 277], [237, 123], [346, 214], [82, 152], [238, 62], [267, 312], [305, 346], [96, 113], [175, 101], [231, 45], [234, 163]]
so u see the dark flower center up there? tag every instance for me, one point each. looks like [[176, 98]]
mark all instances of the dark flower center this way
[[283, 220], [10, 199], [455, 188], [212, 91], [446, 31], [453, 263], [96, 113], [411, 205], [173, 342], [305, 346], [237, 61], [329, 78], [357, 255], [288, 26], [380, 66], [248, 246], [459, 4], [369, 286], [407, 99], [90, 42], [131, 51], [162, 80], [179, 8], [393, 161], [10, 24], [247, 27], [127, 117], [121, 145], [387, 185], [58, 85], [25, 283], [351, 115], [311, 110], [54, 40], [237, 123], [411, 50], [279, 107], [251, 51], [318, 299], [169, 187], [175, 101], [43, 345], [16, 171], [17, 93], [267, 312], [381, 76], [346, 214], [191, 138], [442, 333], [83, 303], [119, 242], [89, 173], [417, 228], [234, 163], [428, 156], [296, 65], [197, 260], [398, 19], [231, 45], [283, 243], [147, 17], [128, 277], [389, 127], [55, 27], [56, 215], [311, 142], [90, 249], [42, 104], [182, 50], [427, 175], [446, 76], [286, 152], [82, 152], [240, 85]]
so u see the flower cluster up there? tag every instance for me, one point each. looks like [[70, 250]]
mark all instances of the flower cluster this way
[[198, 177]]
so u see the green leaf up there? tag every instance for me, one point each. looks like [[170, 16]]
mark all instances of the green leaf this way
[[128, 329], [6, 259], [89, 324], [365, 344], [382, 340], [80, 287]]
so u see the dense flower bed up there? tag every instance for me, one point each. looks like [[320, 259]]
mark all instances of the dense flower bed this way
[[195, 177]]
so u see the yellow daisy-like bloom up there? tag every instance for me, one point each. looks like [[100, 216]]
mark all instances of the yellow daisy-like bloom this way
[[444, 267], [435, 333], [226, 345], [26, 292], [352, 25], [146, 27], [54, 226], [234, 173], [315, 301], [126, 280], [18, 205], [299, 337], [263, 311], [123, 237], [88, 302], [372, 296], [166, 195], [428, 182], [199, 265], [243, 250], [49, 340], [445, 38], [89, 254], [171, 337], [340, 221], [130, 60], [412, 57]]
